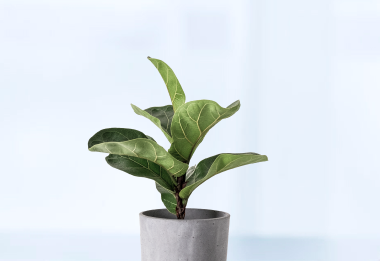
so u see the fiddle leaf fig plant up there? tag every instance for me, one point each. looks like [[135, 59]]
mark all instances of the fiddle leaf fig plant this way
[[184, 125]]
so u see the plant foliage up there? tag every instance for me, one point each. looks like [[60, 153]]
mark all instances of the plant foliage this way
[[185, 125]]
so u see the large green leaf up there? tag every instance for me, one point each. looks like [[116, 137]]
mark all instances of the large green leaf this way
[[141, 168], [209, 167], [146, 149], [177, 95], [115, 134], [147, 169], [160, 116], [168, 198], [191, 123]]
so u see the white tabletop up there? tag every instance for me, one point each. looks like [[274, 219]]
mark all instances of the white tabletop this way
[[118, 247]]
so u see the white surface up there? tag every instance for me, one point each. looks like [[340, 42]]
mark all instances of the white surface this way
[[118, 247]]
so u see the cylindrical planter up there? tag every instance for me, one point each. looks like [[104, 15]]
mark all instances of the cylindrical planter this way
[[201, 236]]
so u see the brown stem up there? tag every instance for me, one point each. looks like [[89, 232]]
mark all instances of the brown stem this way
[[180, 208]]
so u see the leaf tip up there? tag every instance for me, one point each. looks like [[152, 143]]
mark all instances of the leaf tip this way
[[234, 104], [134, 107], [93, 148], [149, 57]]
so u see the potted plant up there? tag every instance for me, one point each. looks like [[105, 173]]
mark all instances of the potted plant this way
[[175, 233]]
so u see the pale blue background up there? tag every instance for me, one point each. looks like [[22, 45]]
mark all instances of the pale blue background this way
[[308, 77]]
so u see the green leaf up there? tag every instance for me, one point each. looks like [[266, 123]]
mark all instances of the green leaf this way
[[209, 167], [160, 116], [191, 123], [177, 95], [164, 114], [146, 149], [189, 172], [147, 169], [141, 168], [115, 134], [168, 198]]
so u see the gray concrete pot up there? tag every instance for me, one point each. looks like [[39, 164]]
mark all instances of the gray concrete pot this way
[[201, 236]]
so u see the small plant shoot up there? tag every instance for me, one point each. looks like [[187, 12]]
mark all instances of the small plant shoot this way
[[185, 125]]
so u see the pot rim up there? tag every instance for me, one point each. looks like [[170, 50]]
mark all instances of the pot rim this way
[[226, 215]]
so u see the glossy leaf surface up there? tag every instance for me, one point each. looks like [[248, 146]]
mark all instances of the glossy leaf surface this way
[[141, 168], [214, 165], [115, 134], [168, 198], [146, 149], [176, 93], [160, 116], [191, 123]]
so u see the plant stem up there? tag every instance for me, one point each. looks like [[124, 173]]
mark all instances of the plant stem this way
[[180, 208]]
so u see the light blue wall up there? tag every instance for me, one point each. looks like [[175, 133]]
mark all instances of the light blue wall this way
[[306, 72]]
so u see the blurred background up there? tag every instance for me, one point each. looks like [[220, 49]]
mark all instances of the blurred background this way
[[307, 74]]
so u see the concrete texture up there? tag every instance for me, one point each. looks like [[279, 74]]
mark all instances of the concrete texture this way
[[202, 236]]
